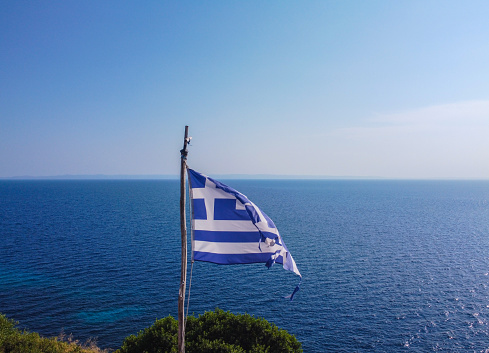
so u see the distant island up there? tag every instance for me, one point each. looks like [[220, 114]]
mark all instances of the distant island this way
[[217, 176], [92, 177], [176, 177]]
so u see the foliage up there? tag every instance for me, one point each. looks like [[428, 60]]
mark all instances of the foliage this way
[[13, 340], [161, 337], [214, 332]]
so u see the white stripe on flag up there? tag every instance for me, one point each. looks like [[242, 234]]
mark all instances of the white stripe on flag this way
[[224, 226], [234, 248]]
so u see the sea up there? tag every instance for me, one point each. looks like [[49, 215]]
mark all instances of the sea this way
[[387, 265]]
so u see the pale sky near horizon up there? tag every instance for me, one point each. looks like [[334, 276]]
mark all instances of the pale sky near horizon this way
[[392, 89]]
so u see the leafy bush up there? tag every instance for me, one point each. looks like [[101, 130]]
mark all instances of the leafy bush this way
[[161, 337], [214, 332], [13, 340]]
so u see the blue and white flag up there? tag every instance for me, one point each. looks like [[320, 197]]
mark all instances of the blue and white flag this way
[[227, 228]]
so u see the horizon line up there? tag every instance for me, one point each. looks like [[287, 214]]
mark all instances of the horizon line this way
[[225, 176]]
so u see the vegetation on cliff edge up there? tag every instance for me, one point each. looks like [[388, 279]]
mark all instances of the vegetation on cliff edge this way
[[216, 331], [13, 340], [213, 332]]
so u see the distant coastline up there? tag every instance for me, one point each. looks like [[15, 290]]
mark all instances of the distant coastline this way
[[92, 177], [220, 176], [176, 177]]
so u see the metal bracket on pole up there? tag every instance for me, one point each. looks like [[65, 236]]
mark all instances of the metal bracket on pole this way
[[186, 141]]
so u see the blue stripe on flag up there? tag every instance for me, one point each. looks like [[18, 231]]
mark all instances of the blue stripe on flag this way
[[231, 259], [227, 237], [232, 237]]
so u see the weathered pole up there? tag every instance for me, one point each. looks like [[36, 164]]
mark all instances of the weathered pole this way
[[183, 228]]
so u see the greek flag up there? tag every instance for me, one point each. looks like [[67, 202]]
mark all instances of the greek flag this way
[[227, 228]]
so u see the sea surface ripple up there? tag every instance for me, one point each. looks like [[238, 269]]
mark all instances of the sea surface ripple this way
[[387, 266]]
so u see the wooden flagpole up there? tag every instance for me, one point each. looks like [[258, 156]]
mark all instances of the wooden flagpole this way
[[183, 228]]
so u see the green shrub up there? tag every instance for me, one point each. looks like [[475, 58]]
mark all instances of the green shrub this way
[[161, 337], [13, 340], [214, 332]]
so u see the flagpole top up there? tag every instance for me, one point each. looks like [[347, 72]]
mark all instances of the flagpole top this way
[[186, 141]]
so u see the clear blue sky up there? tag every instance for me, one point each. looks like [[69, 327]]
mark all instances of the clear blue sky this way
[[396, 89]]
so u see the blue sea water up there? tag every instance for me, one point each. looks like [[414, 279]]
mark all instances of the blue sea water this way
[[388, 266]]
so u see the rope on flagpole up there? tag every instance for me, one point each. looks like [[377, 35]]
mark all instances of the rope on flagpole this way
[[189, 287], [191, 212]]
